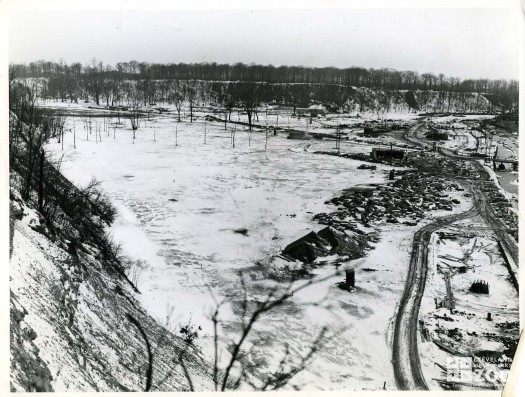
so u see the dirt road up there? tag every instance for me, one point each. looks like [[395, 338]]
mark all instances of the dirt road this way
[[407, 368], [508, 243]]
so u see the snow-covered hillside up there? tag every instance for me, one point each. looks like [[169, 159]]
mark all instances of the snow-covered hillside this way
[[70, 326], [70, 315], [364, 100]]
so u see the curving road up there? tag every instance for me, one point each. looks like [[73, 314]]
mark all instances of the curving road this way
[[407, 366], [508, 243]]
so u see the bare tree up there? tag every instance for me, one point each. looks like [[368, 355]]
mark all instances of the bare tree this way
[[149, 370], [134, 99], [251, 314], [227, 97], [191, 96], [248, 98], [176, 97], [266, 128], [27, 135], [108, 86], [237, 371], [94, 79]]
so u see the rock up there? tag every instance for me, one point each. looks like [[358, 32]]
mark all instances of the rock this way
[[29, 333]]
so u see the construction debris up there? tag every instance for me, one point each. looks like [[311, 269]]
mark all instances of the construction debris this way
[[405, 200], [479, 287], [327, 241]]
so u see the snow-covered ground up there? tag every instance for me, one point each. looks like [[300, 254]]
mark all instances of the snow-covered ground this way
[[180, 204], [78, 323], [484, 263], [463, 135]]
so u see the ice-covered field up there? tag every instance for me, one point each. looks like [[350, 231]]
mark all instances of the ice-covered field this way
[[180, 204]]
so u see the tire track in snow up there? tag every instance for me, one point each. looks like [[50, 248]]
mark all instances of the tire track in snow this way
[[407, 367]]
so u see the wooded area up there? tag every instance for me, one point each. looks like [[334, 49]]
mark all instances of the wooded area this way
[[227, 84]]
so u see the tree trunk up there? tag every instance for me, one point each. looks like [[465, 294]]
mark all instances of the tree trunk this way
[[41, 183], [249, 112]]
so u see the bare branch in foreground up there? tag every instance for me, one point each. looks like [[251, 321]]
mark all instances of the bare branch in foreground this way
[[149, 371]]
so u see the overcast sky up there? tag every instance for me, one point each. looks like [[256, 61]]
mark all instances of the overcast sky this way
[[462, 42]]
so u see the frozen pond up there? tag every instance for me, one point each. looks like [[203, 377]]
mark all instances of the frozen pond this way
[[508, 181], [180, 204]]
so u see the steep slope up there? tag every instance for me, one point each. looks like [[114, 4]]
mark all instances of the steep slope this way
[[366, 100], [76, 324], [70, 330]]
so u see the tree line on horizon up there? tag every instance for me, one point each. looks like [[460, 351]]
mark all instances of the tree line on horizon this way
[[240, 85], [385, 78]]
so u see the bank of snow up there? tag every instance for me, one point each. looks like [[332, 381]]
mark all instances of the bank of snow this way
[[77, 313]]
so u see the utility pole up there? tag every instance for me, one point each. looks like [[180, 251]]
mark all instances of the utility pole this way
[[338, 139], [233, 136]]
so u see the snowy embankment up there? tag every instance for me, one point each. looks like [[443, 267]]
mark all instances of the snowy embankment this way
[[505, 182], [373, 102], [70, 331]]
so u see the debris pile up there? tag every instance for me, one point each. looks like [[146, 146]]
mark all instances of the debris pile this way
[[434, 163], [404, 200], [327, 241], [479, 287], [367, 167], [502, 208], [508, 325], [434, 135], [425, 161]]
